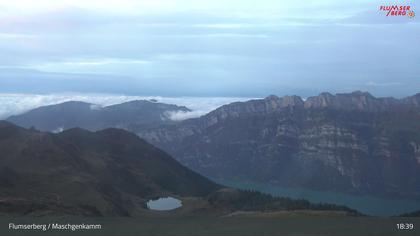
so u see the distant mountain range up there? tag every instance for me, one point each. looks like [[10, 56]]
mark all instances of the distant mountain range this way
[[353, 143], [134, 115], [109, 173]]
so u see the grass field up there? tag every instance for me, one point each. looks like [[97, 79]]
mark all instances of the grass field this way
[[240, 225]]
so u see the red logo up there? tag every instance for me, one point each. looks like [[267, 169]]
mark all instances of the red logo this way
[[411, 14], [398, 10]]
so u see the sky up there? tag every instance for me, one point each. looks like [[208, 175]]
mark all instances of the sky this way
[[207, 48]]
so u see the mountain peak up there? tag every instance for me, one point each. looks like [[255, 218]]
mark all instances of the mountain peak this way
[[136, 102], [361, 93], [356, 100], [325, 94], [67, 105], [272, 97], [74, 103], [413, 100], [148, 104], [285, 101], [290, 101]]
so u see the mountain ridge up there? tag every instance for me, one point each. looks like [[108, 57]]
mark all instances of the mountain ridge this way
[[128, 115], [112, 172], [352, 143]]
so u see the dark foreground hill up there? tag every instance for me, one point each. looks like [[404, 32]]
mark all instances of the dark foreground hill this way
[[109, 173], [411, 214], [133, 115]]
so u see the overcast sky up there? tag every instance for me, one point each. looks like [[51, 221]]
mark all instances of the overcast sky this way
[[207, 47]]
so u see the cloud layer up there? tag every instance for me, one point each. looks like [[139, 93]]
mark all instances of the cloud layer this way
[[13, 104]]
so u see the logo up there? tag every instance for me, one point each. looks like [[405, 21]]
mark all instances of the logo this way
[[398, 10], [411, 14]]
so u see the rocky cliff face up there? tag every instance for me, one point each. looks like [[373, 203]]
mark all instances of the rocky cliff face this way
[[413, 100], [361, 101], [345, 142]]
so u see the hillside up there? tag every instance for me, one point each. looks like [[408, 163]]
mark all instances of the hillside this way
[[111, 173]]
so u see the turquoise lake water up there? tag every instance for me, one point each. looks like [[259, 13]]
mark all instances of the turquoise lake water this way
[[164, 204], [365, 204]]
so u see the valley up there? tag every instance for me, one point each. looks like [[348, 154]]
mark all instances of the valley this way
[[346, 149], [112, 173]]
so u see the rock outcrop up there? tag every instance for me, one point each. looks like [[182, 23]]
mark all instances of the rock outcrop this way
[[345, 142]]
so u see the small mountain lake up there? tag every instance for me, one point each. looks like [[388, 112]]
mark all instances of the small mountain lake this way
[[164, 204], [365, 204]]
